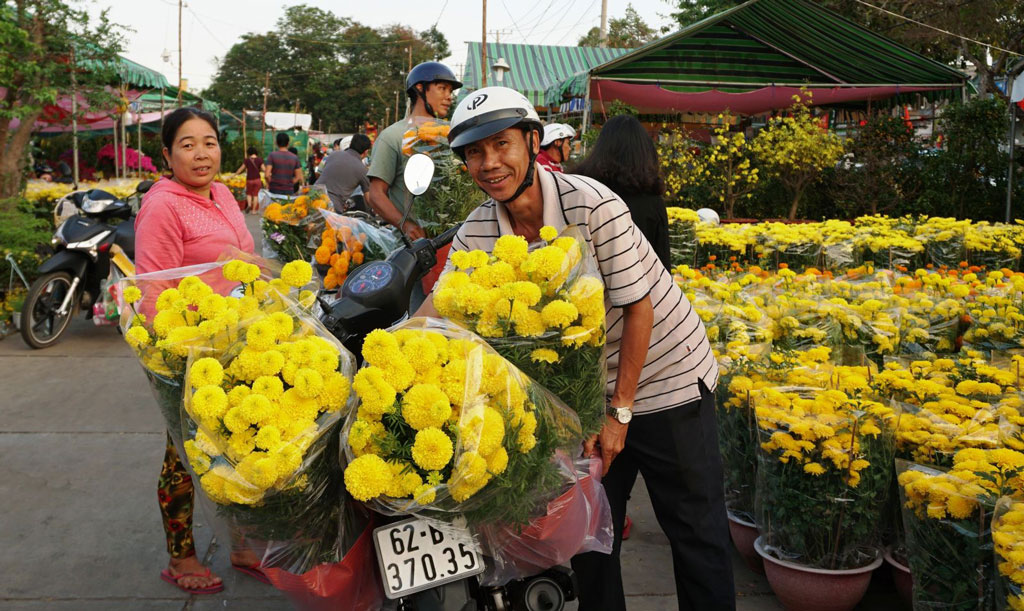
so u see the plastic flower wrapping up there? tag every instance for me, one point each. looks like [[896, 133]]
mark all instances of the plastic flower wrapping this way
[[253, 390], [1008, 540], [348, 242], [542, 309], [446, 425], [948, 518], [823, 472], [289, 224]]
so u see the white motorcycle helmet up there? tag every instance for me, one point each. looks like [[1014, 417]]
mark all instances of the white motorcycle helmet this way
[[489, 110], [709, 217], [556, 131]]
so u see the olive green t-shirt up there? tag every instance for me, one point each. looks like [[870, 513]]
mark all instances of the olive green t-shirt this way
[[387, 162]]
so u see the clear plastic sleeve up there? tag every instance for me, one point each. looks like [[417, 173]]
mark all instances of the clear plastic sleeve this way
[[260, 427], [446, 427], [289, 223], [824, 468], [346, 243], [947, 520], [578, 520], [1008, 541], [543, 310]]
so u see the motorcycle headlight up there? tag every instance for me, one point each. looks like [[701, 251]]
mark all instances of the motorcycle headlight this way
[[58, 236]]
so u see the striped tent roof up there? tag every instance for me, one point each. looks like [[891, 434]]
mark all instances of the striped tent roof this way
[[768, 42], [535, 68]]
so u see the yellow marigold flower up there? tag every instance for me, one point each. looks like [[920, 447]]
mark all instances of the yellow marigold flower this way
[[283, 323], [206, 371], [379, 347], [167, 299], [544, 355], [132, 294], [367, 477], [335, 392], [248, 273], [261, 335], [548, 233], [511, 249], [404, 479], [420, 352], [198, 459], [271, 362], [138, 337], [424, 494], [209, 402], [268, 438], [270, 387], [432, 450], [376, 395], [308, 382], [425, 406], [483, 430], [559, 314], [297, 273], [498, 462], [545, 263]]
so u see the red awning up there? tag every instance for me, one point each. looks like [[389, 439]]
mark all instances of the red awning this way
[[653, 99]]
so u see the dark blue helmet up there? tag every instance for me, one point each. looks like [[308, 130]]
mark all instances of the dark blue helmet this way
[[428, 72]]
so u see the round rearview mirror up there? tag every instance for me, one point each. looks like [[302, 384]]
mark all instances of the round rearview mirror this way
[[418, 172]]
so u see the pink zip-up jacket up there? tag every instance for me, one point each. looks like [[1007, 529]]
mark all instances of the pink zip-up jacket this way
[[176, 227]]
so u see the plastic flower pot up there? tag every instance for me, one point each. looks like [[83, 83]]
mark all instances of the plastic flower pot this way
[[901, 577], [802, 588], [744, 534], [16, 320]]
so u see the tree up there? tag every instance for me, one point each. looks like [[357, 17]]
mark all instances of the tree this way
[[628, 32], [796, 149], [42, 41], [339, 70], [880, 177]]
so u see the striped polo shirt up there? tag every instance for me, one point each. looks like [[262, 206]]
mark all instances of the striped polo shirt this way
[[680, 354]]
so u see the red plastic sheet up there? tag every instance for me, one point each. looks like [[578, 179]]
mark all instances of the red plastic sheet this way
[[352, 584]]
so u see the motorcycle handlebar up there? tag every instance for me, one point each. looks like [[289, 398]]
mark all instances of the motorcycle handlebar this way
[[445, 238]]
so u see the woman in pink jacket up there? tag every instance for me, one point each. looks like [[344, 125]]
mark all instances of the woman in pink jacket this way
[[188, 219]]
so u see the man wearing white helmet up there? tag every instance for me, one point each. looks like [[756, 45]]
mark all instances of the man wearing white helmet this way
[[660, 365], [555, 145]]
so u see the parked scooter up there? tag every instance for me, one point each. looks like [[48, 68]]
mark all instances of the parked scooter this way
[[444, 559], [95, 230]]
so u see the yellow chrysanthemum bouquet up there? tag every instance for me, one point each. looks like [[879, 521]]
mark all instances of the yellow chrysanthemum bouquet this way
[[682, 235], [1008, 539], [252, 389], [996, 314], [288, 225], [445, 426], [948, 520], [824, 468], [542, 309], [453, 194]]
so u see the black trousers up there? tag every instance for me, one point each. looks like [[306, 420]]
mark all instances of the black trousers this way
[[677, 452]]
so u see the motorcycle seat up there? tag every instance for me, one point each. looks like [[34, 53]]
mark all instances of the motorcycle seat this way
[[124, 236]]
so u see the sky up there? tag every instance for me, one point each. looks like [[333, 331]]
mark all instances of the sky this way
[[210, 27]]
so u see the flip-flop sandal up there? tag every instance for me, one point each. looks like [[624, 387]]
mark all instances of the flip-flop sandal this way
[[252, 571], [174, 580]]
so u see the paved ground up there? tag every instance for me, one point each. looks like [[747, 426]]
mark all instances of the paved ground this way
[[81, 443]]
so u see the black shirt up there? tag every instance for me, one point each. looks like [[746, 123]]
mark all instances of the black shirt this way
[[650, 217]]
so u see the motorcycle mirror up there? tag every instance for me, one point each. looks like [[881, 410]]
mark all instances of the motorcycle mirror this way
[[419, 170]]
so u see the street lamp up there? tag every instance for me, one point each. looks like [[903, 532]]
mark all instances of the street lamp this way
[[500, 67]]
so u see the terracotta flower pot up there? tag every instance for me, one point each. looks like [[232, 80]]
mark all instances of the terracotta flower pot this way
[[743, 536], [802, 588], [902, 578]]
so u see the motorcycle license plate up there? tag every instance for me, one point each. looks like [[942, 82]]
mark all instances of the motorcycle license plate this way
[[418, 554]]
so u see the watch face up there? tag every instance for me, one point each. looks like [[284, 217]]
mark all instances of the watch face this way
[[624, 415]]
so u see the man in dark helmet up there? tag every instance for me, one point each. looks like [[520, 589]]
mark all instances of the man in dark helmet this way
[[430, 86]]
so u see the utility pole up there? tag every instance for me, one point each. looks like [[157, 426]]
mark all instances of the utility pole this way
[[409, 49], [74, 119], [263, 132], [245, 141], [604, 23], [483, 50], [396, 106], [179, 51]]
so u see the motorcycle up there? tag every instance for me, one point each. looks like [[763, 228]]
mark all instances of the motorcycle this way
[[444, 558], [95, 229]]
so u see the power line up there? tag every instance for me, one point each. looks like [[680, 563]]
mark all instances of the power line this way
[[540, 19], [441, 14], [514, 24], [578, 22], [946, 32]]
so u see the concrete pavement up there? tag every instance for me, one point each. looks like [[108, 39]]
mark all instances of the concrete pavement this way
[[81, 443]]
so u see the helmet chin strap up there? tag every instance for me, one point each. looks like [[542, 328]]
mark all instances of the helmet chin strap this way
[[426, 105], [528, 181]]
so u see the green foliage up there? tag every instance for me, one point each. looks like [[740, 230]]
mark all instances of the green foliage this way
[[41, 39], [339, 70], [880, 176], [22, 235], [627, 32]]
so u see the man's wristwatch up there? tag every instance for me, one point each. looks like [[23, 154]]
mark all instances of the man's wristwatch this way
[[622, 415]]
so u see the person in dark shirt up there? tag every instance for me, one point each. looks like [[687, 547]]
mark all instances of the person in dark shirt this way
[[283, 168], [253, 165], [625, 160], [344, 171]]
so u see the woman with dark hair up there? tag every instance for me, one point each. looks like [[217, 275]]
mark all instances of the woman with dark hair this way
[[625, 160], [188, 219], [253, 166]]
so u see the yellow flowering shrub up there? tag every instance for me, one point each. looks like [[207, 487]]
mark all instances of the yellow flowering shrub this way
[[542, 309], [444, 424], [1008, 539]]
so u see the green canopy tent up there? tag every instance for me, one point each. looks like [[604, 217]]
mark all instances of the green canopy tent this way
[[754, 57], [533, 68]]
